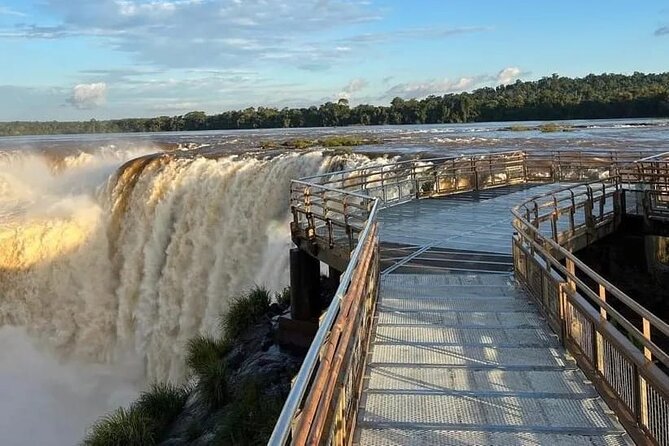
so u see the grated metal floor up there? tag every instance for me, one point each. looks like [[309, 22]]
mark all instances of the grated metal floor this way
[[464, 358]]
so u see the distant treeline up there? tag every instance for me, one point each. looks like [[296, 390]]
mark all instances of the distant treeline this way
[[550, 98]]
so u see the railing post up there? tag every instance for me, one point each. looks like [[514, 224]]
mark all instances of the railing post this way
[[554, 219], [554, 230], [415, 181], [383, 187], [476, 174], [587, 209], [643, 385], [572, 211], [524, 157], [571, 284], [599, 354]]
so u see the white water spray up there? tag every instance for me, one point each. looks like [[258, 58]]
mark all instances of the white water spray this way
[[107, 272], [149, 261]]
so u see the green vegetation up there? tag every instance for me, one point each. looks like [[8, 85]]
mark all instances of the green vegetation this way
[[212, 384], [300, 143], [340, 141], [551, 127], [283, 298], [236, 411], [250, 420], [202, 351], [346, 141], [519, 128], [244, 312], [144, 423], [550, 98]]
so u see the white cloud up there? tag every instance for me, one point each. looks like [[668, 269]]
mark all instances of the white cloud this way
[[508, 75], [354, 86], [421, 89], [226, 33], [206, 33], [414, 90], [86, 96]]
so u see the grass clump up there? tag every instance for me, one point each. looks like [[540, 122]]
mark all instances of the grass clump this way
[[331, 142], [144, 422], [283, 298], [550, 127], [203, 351], [245, 311], [268, 145], [249, 419], [122, 427], [212, 385], [519, 128], [162, 403], [345, 141], [205, 361], [299, 143]]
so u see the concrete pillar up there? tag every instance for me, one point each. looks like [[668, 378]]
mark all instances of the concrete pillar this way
[[304, 285]]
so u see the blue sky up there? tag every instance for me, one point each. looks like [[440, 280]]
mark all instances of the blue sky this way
[[82, 59]]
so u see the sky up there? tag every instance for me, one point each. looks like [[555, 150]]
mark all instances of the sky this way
[[85, 59]]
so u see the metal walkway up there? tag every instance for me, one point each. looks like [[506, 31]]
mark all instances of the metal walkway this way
[[454, 233], [459, 356]]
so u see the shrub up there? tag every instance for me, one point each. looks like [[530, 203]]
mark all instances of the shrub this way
[[283, 298], [268, 145], [519, 128], [550, 127], [250, 418], [144, 423], [212, 385], [162, 403], [204, 351], [244, 312], [122, 427], [299, 143]]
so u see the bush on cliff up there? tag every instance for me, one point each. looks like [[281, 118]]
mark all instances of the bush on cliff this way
[[250, 417], [232, 407], [144, 422], [244, 312]]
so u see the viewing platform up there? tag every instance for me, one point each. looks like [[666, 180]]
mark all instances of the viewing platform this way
[[462, 316], [459, 354]]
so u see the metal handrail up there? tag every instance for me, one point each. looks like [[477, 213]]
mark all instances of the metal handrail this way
[[628, 379], [416, 173], [282, 429], [411, 161], [540, 238]]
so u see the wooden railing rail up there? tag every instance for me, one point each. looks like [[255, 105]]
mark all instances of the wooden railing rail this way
[[615, 340]]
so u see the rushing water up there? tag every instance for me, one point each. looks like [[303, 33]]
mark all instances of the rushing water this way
[[116, 249]]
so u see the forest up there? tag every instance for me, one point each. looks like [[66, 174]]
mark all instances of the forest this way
[[551, 98]]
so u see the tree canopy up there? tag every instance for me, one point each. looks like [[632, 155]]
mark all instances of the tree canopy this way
[[555, 97]]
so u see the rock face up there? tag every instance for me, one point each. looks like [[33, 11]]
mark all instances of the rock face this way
[[258, 375], [255, 358]]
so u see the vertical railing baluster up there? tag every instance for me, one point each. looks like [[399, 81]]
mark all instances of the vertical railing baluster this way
[[600, 340]]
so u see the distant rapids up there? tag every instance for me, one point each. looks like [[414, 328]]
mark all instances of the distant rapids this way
[[110, 255]]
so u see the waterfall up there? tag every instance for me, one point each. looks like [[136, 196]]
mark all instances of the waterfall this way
[[102, 263]]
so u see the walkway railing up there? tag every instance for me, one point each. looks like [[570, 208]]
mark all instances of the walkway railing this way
[[613, 339], [338, 211]]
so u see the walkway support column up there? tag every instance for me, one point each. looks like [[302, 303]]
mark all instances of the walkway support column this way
[[304, 285]]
